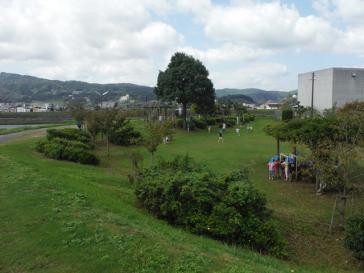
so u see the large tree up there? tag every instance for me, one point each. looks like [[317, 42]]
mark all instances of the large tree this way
[[185, 81]]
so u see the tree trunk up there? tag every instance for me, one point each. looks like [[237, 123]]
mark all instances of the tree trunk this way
[[278, 146], [342, 210], [184, 115]]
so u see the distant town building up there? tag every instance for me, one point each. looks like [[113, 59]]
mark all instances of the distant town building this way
[[270, 105], [330, 87], [124, 98]]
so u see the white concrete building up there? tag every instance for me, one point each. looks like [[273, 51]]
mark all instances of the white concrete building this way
[[330, 87]]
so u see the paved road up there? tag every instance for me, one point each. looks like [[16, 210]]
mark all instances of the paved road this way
[[35, 132]]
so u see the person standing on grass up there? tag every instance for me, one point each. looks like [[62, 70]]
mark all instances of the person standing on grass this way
[[270, 170], [221, 137], [276, 168], [223, 127], [237, 130], [209, 128], [285, 165]]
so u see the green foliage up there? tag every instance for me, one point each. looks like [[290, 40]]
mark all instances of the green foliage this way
[[154, 134], [69, 134], [186, 81], [354, 235], [68, 144], [226, 208], [287, 114], [70, 150], [125, 135]]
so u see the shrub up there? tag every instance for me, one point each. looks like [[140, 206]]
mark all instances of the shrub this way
[[69, 134], [287, 114], [64, 149], [226, 208], [200, 123], [125, 135], [354, 235]]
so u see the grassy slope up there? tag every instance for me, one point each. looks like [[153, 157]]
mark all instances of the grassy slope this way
[[64, 217]]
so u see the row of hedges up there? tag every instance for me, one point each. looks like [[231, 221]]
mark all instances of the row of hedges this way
[[202, 123], [68, 144], [226, 208], [69, 134]]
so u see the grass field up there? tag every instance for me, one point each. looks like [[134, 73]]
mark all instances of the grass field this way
[[65, 217]]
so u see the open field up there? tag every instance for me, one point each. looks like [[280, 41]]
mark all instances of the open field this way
[[65, 217]]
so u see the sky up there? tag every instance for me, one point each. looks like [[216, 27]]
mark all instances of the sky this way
[[243, 43]]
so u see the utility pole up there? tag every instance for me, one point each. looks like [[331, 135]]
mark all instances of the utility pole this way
[[312, 92]]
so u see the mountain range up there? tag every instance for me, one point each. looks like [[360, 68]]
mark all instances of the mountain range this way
[[21, 88], [258, 95]]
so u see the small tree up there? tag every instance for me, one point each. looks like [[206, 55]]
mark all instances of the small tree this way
[[93, 124], [155, 132], [109, 120], [78, 112]]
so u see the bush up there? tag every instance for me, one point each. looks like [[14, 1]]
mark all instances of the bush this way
[[67, 150], [200, 123], [227, 208], [63, 149], [354, 235], [69, 134], [287, 114], [125, 136]]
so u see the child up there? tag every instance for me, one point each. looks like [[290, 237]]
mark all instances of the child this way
[[209, 128], [221, 138], [276, 168], [271, 170], [237, 130], [285, 165]]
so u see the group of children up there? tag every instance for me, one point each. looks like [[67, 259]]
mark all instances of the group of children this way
[[287, 163], [249, 128]]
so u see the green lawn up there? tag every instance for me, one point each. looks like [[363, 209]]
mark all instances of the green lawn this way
[[66, 217]]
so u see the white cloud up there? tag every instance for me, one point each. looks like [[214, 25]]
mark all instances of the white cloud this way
[[258, 75], [87, 40], [268, 25], [227, 53], [350, 11]]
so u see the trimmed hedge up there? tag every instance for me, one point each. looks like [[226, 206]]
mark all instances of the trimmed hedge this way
[[354, 235], [225, 208], [69, 134], [68, 144], [62, 149]]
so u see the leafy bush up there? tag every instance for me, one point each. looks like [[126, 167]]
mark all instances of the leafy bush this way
[[226, 208], [200, 123], [62, 149], [69, 134], [287, 114], [125, 135], [354, 235], [59, 146]]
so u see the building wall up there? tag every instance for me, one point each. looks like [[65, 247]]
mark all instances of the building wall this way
[[323, 89], [346, 87]]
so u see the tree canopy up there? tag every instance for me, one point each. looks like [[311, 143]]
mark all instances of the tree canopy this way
[[186, 81]]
